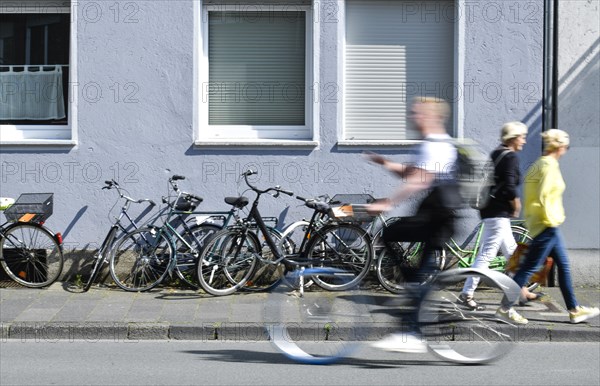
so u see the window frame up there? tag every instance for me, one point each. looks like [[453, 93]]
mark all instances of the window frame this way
[[56, 134], [252, 135], [458, 76]]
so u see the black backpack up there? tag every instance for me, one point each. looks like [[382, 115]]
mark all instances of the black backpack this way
[[475, 173]]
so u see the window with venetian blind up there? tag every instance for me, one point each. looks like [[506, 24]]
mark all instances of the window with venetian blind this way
[[256, 71]]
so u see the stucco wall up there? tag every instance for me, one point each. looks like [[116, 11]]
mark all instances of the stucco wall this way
[[136, 71], [579, 115]]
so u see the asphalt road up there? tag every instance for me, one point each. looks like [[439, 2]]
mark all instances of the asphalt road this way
[[232, 363]]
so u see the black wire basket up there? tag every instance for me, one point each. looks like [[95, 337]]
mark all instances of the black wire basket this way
[[31, 207]]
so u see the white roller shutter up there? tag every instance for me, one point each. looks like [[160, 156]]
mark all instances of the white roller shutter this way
[[395, 51]]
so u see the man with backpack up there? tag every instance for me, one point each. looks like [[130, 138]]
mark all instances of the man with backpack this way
[[433, 171]]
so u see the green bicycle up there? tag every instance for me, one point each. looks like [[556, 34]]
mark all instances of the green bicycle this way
[[392, 265]]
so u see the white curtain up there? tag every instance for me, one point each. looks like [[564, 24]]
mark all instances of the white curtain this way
[[35, 93]]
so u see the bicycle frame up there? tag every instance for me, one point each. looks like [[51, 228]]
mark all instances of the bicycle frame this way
[[101, 255], [123, 213], [169, 230], [315, 224], [466, 257]]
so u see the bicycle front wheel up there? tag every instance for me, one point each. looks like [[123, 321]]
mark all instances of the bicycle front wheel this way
[[227, 261], [101, 257], [187, 259], [140, 260], [457, 334], [268, 271], [31, 255], [345, 247]]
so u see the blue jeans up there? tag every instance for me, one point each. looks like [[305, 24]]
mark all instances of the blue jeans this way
[[549, 243]]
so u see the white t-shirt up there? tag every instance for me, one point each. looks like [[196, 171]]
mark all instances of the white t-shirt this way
[[437, 156]]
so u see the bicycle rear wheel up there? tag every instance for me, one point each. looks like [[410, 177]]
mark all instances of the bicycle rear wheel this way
[[458, 334], [140, 260], [227, 261], [345, 247], [31, 255], [187, 259], [393, 266]]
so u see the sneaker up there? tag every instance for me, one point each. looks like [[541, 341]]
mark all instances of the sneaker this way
[[583, 313], [470, 303], [510, 316], [398, 342]]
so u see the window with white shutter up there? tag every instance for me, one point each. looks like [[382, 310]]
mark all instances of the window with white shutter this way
[[394, 51]]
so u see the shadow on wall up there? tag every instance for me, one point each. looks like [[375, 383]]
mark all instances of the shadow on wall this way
[[578, 105], [579, 99]]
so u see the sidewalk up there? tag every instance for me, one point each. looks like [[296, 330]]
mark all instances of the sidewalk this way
[[60, 313]]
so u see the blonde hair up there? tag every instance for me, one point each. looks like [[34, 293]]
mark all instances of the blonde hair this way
[[441, 107], [512, 130], [554, 139]]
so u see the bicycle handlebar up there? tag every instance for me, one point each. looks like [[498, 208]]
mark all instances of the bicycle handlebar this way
[[110, 184], [149, 201], [318, 205], [276, 189], [114, 184]]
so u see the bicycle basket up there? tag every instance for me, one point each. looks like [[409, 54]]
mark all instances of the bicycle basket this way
[[31, 207], [351, 213], [345, 199], [185, 204]]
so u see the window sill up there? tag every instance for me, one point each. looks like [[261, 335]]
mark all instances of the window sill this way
[[39, 142], [377, 143], [256, 143]]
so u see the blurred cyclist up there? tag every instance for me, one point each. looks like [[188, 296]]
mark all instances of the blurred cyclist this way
[[433, 224]]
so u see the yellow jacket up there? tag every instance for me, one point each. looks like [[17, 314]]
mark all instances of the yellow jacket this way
[[544, 187]]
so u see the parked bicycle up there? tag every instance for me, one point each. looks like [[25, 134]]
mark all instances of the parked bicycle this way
[[117, 230], [30, 253], [229, 258], [143, 258]]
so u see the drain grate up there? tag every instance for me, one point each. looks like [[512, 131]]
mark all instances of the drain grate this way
[[8, 283]]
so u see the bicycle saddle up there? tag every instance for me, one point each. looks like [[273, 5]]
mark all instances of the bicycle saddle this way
[[238, 202]]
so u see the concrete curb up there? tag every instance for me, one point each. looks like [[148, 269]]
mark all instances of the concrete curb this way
[[254, 332]]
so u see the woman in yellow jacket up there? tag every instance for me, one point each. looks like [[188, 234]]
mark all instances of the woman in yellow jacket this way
[[544, 212]]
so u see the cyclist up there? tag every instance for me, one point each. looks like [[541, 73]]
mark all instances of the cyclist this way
[[432, 171]]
